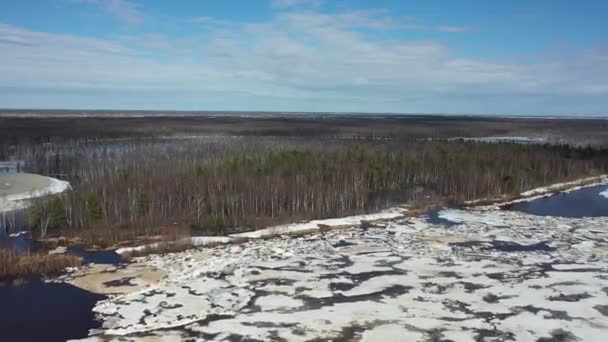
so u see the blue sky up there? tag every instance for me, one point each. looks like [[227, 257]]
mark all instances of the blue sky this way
[[543, 57]]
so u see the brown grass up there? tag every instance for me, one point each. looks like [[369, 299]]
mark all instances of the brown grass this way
[[17, 265]]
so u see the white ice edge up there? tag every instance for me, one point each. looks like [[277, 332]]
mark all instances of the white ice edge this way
[[22, 200], [291, 228], [544, 191], [500, 139], [316, 224], [577, 183]]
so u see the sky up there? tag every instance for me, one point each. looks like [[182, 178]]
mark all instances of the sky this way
[[507, 57]]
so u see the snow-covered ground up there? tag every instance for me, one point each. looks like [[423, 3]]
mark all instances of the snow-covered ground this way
[[494, 276]]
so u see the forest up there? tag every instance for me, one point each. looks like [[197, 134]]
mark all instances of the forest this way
[[212, 185]]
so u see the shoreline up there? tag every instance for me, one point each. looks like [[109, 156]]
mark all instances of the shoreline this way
[[540, 192], [323, 225], [314, 226]]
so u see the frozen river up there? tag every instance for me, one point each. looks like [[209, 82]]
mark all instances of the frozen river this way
[[494, 275]]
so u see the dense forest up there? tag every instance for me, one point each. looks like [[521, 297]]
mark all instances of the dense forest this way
[[214, 185]]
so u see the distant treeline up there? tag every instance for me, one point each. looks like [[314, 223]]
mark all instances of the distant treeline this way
[[216, 185]]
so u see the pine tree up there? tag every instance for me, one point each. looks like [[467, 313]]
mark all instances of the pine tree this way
[[58, 216], [94, 212], [141, 204]]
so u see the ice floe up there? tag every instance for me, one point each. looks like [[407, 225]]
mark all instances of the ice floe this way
[[21, 200], [496, 276]]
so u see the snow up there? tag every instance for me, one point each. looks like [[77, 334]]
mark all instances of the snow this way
[[549, 190], [604, 193], [572, 186], [124, 250], [209, 240], [494, 140], [405, 279], [317, 224], [310, 226], [468, 216], [195, 241]]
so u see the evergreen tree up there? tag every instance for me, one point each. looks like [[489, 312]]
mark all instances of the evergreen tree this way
[[141, 204], [94, 212], [58, 216]]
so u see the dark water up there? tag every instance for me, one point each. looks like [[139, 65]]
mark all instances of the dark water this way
[[96, 257], [20, 243], [580, 203], [38, 311], [433, 217], [342, 243], [504, 246], [23, 243], [13, 221]]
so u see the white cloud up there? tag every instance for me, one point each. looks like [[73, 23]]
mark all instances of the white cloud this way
[[198, 20], [453, 29], [297, 61], [126, 11], [371, 19], [294, 3]]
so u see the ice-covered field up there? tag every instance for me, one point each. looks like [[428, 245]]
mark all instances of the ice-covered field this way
[[494, 276]]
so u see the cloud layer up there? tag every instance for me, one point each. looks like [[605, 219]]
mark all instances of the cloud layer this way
[[301, 60], [124, 10]]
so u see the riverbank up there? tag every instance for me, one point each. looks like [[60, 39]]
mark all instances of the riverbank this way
[[40, 264], [540, 192], [314, 226], [87, 277]]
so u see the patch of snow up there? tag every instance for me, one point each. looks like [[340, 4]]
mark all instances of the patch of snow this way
[[58, 250], [391, 332], [469, 216], [198, 241], [209, 240], [317, 224], [604, 193], [549, 190], [495, 140], [573, 185], [124, 250]]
